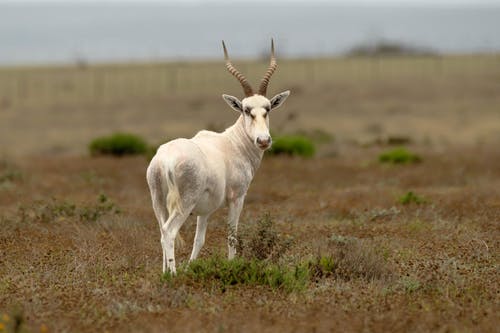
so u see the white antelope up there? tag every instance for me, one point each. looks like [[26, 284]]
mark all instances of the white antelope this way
[[198, 175]]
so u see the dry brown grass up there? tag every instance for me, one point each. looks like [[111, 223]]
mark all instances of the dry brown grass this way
[[78, 275]]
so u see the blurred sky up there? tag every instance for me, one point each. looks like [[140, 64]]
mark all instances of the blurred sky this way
[[370, 2], [42, 31]]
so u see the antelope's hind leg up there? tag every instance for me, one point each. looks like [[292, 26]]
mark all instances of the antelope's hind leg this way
[[169, 230]]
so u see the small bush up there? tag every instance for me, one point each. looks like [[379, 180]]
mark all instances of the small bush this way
[[411, 197], [263, 242], [119, 144], [399, 156], [293, 145]]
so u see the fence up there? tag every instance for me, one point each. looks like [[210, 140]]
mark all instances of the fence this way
[[76, 85]]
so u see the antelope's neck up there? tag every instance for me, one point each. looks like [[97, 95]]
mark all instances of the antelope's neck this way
[[243, 145]]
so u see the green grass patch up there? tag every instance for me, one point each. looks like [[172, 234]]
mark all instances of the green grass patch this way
[[410, 197], [119, 144], [293, 145], [223, 273], [399, 156]]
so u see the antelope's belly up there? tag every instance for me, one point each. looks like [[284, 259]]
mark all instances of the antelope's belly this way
[[208, 202]]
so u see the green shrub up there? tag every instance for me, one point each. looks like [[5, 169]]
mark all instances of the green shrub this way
[[118, 144], [293, 145], [411, 197], [399, 156]]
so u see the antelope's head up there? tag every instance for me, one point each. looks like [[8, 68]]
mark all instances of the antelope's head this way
[[255, 107]]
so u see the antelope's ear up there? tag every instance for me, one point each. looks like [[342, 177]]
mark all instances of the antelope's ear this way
[[277, 100], [233, 102]]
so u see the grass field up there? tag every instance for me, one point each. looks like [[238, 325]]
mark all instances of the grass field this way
[[80, 248]]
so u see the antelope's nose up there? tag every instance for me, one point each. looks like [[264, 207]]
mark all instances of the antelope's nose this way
[[264, 142]]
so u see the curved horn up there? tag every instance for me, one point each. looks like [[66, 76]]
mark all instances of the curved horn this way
[[272, 67], [244, 83]]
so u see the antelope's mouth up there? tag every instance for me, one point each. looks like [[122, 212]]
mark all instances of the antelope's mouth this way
[[264, 146]]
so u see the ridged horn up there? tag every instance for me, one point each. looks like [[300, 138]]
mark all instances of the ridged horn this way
[[244, 83], [270, 70]]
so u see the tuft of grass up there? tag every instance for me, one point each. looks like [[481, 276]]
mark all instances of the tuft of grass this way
[[240, 271], [119, 144], [399, 156], [410, 197], [353, 258], [293, 145], [410, 285], [321, 267]]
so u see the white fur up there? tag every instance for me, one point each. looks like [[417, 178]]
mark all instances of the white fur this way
[[199, 175]]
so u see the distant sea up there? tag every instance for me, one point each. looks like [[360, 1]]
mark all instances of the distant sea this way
[[105, 32]]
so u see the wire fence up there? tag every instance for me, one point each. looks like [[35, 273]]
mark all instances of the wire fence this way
[[101, 84]]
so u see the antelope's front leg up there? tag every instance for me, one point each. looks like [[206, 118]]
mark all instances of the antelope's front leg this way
[[235, 207]]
